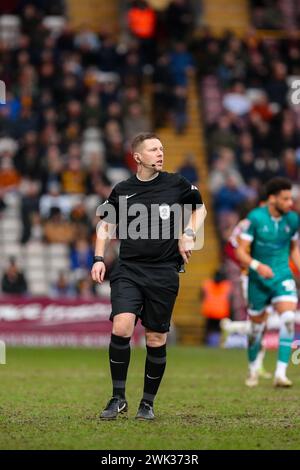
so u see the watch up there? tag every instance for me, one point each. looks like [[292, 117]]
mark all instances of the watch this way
[[189, 232], [98, 259]]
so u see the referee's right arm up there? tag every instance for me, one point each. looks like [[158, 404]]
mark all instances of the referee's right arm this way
[[104, 232], [108, 212]]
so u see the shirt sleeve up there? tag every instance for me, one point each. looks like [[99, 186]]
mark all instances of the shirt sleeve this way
[[109, 209], [249, 228], [189, 194]]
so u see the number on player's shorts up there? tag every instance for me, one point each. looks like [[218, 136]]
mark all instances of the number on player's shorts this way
[[289, 285]]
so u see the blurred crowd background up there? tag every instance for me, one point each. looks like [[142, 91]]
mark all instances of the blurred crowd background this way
[[75, 100]]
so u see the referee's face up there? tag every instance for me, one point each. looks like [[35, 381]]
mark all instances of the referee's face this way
[[152, 153]]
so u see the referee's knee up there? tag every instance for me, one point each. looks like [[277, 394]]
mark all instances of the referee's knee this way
[[123, 325], [155, 340]]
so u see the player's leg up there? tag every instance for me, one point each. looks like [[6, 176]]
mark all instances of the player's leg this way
[[119, 357], [286, 310], [262, 372], [154, 370], [261, 354], [258, 300], [255, 334]]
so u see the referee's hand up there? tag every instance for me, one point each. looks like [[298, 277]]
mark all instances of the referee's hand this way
[[98, 271], [185, 246]]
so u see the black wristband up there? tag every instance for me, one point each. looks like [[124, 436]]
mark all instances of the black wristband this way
[[98, 259]]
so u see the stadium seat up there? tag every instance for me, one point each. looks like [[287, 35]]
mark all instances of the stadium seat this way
[[9, 29], [38, 287], [34, 249], [35, 262], [56, 250]]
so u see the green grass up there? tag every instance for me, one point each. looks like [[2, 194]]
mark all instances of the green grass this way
[[50, 399]]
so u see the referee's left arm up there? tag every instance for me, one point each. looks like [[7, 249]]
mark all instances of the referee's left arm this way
[[197, 218], [187, 241]]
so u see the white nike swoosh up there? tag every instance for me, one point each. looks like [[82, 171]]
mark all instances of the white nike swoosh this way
[[115, 362], [122, 408], [152, 377], [131, 195]]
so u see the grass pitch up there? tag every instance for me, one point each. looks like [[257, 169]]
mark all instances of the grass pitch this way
[[51, 398]]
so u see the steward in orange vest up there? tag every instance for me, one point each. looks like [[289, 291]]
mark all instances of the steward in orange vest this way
[[142, 21], [216, 295]]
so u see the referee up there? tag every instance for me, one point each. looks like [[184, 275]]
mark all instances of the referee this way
[[144, 282]]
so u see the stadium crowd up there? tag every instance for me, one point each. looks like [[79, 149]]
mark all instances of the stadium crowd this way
[[74, 102], [253, 130], [75, 99], [252, 126]]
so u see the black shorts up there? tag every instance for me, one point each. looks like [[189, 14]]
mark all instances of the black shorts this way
[[148, 291]]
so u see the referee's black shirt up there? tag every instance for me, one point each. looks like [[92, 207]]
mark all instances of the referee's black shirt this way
[[160, 244]]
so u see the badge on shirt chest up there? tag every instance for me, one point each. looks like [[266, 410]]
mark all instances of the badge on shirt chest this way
[[164, 211]]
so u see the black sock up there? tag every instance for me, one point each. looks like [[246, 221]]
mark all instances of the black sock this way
[[154, 371], [119, 357]]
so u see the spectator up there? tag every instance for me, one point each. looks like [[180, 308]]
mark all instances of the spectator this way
[[36, 227], [135, 122], [74, 177], [162, 96], [188, 168], [229, 197], [62, 287], [86, 40], [81, 255], [79, 217], [9, 177], [57, 229], [92, 113], [277, 87], [222, 135], [179, 20], [179, 109], [13, 280], [290, 165], [236, 101], [85, 288], [30, 190], [224, 166], [181, 64], [53, 166]]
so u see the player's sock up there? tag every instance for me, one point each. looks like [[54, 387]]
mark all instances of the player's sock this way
[[119, 357], [260, 357], [154, 371], [254, 344], [286, 336]]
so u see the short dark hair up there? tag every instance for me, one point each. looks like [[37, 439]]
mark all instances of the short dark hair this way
[[140, 138], [275, 185]]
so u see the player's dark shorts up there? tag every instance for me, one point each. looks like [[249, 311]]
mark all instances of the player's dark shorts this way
[[148, 291]]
